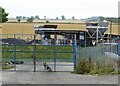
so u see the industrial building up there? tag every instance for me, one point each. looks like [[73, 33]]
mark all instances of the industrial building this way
[[63, 37], [94, 35]]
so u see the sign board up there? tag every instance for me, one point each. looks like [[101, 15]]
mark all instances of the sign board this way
[[82, 38]]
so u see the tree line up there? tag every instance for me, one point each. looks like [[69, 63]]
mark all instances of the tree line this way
[[111, 19], [28, 19], [4, 15]]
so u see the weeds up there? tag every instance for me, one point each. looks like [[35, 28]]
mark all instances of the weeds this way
[[86, 66]]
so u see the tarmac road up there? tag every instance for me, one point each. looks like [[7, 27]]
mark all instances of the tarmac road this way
[[30, 77]]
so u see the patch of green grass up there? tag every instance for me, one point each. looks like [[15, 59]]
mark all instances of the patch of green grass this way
[[42, 52], [0, 67], [7, 67]]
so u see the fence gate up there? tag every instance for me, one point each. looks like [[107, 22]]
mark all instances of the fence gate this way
[[28, 52]]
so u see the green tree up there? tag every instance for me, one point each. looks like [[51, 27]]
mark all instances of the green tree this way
[[63, 17], [30, 20], [19, 18], [73, 18], [3, 15], [37, 17]]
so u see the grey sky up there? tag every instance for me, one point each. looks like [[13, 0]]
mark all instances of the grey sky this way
[[56, 8]]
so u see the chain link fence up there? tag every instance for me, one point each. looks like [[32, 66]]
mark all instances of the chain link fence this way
[[20, 49], [102, 58]]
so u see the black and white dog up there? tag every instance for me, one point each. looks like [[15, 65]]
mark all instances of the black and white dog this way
[[46, 67]]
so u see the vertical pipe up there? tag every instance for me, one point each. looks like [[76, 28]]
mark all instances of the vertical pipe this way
[[31, 37], [118, 50], [14, 53], [110, 36], [42, 37], [7, 36], [68, 39], [55, 52], [75, 52], [22, 33], [85, 38], [97, 37], [34, 57]]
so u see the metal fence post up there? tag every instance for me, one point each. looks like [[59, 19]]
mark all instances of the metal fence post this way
[[34, 57], [14, 53], [55, 36], [118, 48], [75, 52]]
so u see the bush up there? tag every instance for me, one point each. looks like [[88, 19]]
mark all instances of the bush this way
[[106, 70], [83, 67], [95, 69], [88, 67], [47, 21]]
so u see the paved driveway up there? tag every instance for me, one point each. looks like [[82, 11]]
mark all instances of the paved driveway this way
[[30, 77], [56, 78]]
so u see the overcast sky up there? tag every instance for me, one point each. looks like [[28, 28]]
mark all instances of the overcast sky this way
[[56, 8]]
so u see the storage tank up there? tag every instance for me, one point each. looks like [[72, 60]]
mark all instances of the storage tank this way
[[97, 27]]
